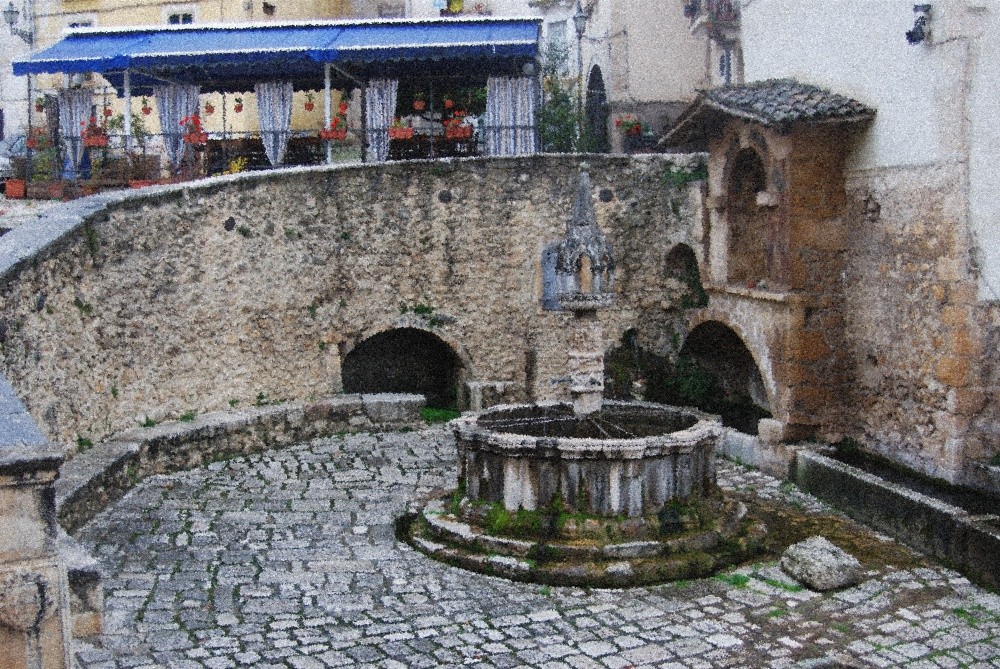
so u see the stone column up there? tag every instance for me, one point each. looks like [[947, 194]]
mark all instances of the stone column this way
[[34, 608], [586, 362]]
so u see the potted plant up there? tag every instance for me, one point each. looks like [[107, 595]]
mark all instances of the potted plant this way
[[238, 105], [449, 102], [193, 134], [309, 104], [94, 136], [419, 103], [399, 131], [336, 131], [629, 124], [146, 109], [209, 109], [457, 128], [39, 104]]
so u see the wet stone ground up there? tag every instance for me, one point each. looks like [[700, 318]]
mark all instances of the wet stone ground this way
[[289, 559]]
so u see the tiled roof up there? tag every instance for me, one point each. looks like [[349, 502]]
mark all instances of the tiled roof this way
[[775, 102]]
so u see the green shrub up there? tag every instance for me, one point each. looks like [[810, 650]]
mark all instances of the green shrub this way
[[434, 415]]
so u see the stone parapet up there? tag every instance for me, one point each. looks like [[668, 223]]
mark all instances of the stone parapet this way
[[93, 480]]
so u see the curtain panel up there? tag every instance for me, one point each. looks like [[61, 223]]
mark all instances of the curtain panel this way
[[274, 110], [509, 124], [380, 109], [74, 113], [175, 103]]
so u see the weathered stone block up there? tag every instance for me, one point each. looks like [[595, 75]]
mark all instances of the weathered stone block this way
[[820, 565], [953, 371]]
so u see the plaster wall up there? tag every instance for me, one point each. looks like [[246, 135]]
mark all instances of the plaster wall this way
[[152, 307], [937, 101]]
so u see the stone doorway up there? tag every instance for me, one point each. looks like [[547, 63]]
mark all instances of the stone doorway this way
[[405, 360]]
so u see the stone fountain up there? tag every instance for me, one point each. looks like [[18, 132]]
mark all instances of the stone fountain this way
[[586, 492]]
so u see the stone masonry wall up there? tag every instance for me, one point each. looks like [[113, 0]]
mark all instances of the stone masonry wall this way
[[246, 289], [921, 347]]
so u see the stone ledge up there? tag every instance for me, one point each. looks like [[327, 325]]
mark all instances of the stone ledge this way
[[91, 481], [969, 543]]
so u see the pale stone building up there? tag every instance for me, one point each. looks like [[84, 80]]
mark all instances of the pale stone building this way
[[911, 223]]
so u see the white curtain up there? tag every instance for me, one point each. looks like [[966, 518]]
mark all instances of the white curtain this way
[[274, 111], [74, 114], [510, 116], [380, 108], [175, 103]]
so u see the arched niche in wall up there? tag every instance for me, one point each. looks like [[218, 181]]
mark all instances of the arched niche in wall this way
[[749, 220], [682, 266], [596, 112], [405, 360]]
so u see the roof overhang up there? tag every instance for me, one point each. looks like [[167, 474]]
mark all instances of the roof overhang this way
[[778, 104]]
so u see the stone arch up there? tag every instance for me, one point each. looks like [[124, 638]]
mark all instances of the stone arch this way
[[721, 347], [748, 257], [406, 359], [596, 111]]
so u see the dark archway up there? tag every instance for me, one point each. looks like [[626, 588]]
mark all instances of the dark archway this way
[[596, 113], [749, 223], [682, 266], [404, 360], [720, 363]]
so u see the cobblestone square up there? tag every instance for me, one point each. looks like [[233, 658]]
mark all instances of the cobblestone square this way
[[289, 559]]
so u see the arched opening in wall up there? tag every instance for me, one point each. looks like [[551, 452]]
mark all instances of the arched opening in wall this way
[[717, 373], [596, 113], [749, 223], [405, 360], [682, 267]]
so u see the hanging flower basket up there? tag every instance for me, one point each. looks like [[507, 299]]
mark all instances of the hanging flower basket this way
[[146, 109], [209, 108], [309, 104], [108, 112], [238, 105], [39, 104]]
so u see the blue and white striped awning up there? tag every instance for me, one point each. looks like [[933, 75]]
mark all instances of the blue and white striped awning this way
[[230, 56]]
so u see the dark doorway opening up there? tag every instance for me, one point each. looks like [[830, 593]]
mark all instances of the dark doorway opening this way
[[596, 113], [405, 360]]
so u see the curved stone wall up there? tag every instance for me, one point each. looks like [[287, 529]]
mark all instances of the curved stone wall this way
[[249, 289]]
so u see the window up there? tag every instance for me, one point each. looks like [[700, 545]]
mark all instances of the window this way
[[180, 18]]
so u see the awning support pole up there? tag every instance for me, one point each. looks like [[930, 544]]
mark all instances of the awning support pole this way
[[327, 110]]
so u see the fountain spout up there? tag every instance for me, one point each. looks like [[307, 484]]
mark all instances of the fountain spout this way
[[585, 277]]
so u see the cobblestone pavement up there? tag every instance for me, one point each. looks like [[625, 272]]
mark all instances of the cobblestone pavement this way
[[289, 559]]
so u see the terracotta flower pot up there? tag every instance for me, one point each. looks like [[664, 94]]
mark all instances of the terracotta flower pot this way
[[209, 109], [147, 111], [15, 189], [238, 108], [310, 106]]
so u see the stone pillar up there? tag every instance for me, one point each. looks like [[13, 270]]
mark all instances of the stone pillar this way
[[34, 609], [586, 362]]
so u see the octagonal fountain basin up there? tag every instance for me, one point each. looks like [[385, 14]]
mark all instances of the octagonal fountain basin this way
[[627, 458], [625, 495]]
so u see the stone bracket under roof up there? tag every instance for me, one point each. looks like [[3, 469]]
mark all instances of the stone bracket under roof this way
[[774, 103]]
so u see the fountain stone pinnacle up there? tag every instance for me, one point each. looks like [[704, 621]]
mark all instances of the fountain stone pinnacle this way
[[585, 282]]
